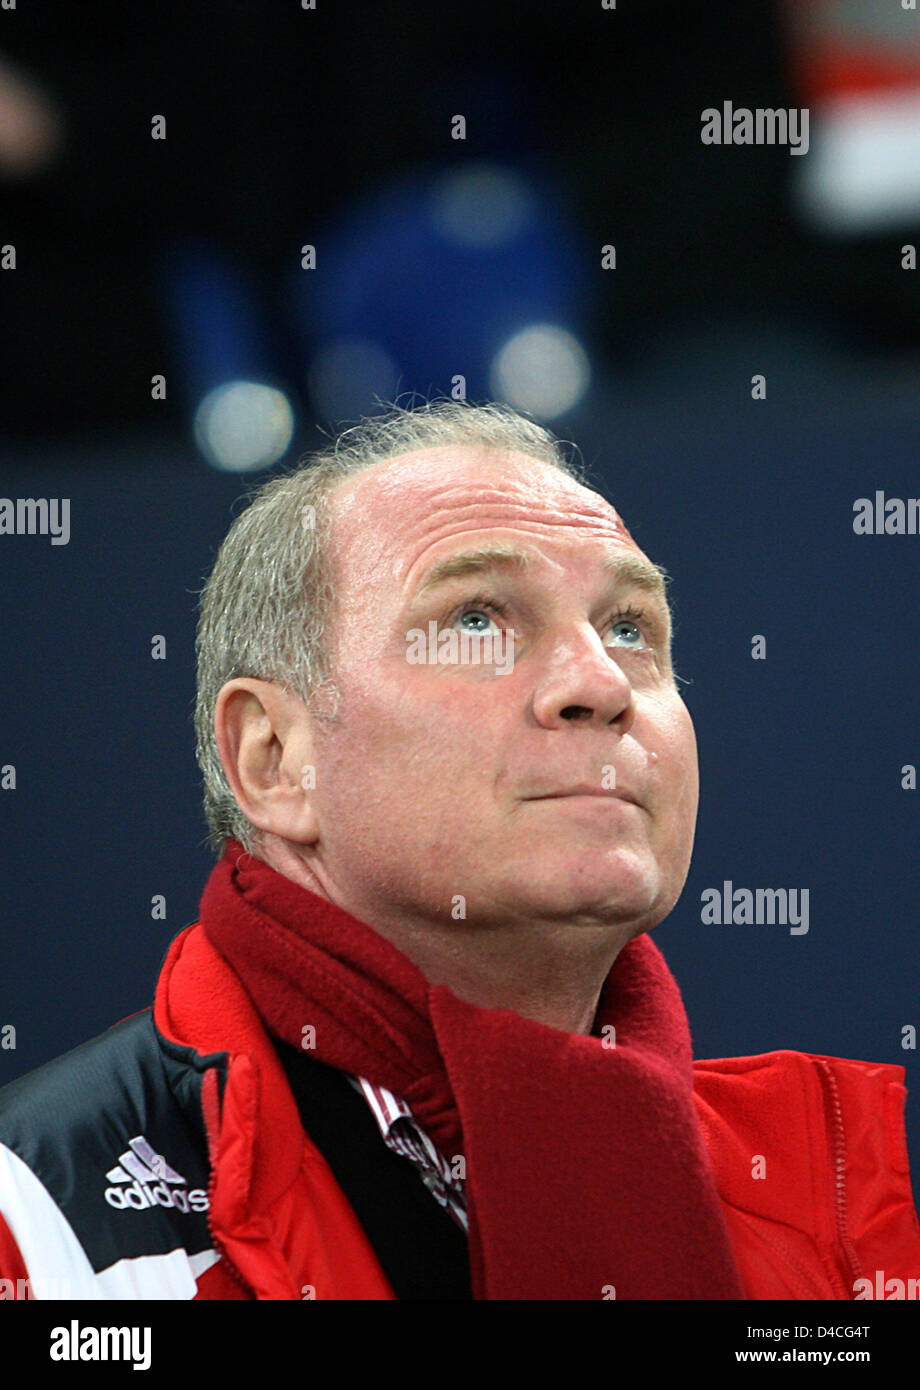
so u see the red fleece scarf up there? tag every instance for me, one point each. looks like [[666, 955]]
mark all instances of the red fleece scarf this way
[[586, 1172]]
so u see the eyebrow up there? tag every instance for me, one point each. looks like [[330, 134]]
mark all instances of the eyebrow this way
[[626, 569]]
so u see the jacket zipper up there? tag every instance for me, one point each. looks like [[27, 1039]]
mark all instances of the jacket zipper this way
[[838, 1144], [212, 1180]]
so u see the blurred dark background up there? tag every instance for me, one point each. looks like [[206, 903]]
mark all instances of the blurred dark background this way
[[438, 258]]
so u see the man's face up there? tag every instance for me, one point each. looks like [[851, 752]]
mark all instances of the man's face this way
[[438, 780]]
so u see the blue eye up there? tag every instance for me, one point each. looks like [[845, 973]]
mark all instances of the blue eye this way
[[482, 609], [478, 612], [482, 624], [626, 618]]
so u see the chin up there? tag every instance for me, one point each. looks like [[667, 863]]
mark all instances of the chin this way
[[595, 890]]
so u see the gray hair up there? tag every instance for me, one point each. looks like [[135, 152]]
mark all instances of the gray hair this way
[[265, 608]]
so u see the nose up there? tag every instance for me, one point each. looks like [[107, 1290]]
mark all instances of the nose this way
[[582, 683]]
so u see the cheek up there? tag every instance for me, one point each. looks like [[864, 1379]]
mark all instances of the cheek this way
[[430, 732], [676, 777]]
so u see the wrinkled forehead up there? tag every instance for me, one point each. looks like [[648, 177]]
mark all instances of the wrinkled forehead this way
[[394, 513]]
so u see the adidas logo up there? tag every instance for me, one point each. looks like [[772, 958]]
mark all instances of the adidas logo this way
[[150, 1182]]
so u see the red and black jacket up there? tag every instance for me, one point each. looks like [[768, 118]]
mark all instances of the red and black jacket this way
[[167, 1158]]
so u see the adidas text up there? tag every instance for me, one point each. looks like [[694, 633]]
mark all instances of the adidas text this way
[[142, 1178], [139, 1196]]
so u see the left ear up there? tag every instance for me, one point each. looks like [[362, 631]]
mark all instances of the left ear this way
[[265, 739]]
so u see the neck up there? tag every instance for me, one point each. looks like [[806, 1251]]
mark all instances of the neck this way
[[549, 972]]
